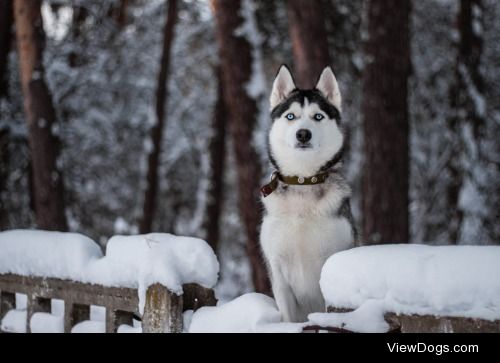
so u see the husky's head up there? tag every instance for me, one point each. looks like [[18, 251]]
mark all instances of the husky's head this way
[[306, 134]]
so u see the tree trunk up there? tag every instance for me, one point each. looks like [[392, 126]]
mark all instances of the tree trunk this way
[[40, 116], [309, 40], [470, 55], [217, 158], [6, 21], [385, 111], [236, 65], [466, 99], [4, 173], [121, 13], [80, 15], [149, 207]]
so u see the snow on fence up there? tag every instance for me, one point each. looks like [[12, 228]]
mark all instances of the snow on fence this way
[[391, 288], [413, 288], [158, 276]]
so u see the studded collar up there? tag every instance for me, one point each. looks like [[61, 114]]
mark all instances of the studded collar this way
[[276, 177]]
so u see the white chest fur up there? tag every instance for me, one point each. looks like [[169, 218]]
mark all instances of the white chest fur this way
[[300, 231]]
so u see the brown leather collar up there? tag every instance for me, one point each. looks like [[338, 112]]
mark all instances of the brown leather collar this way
[[269, 188]]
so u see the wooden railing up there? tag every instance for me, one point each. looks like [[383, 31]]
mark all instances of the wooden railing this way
[[440, 324], [162, 313], [406, 323]]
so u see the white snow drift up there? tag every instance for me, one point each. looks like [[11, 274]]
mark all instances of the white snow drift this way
[[51, 254], [459, 281], [368, 318], [250, 313]]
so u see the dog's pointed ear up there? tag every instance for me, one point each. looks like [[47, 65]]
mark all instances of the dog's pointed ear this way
[[282, 87], [328, 86]]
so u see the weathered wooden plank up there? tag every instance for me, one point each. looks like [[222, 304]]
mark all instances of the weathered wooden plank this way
[[196, 296], [159, 298], [116, 318], [74, 314], [7, 302], [332, 309], [36, 305], [163, 311], [441, 324], [125, 299], [432, 324]]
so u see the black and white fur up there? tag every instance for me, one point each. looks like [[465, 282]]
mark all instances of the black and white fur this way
[[304, 225]]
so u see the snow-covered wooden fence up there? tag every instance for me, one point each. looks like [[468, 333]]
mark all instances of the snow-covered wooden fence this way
[[155, 277], [413, 289], [163, 309], [405, 323], [391, 288], [413, 323]]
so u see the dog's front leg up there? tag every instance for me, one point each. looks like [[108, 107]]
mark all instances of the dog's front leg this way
[[285, 298]]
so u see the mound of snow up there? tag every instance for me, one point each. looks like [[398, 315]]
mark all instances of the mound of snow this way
[[250, 313], [49, 254], [47, 323], [141, 261], [127, 329], [156, 258], [415, 279], [368, 318], [130, 261], [14, 321], [89, 327]]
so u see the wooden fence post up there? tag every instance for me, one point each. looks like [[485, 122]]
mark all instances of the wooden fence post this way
[[74, 314], [116, 318], [35, 305], [196, 296], [163, 311], [7, 302]]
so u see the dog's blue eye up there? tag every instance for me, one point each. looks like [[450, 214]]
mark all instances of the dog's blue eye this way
[[290, 116], [319, 117]]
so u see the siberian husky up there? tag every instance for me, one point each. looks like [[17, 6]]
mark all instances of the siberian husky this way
[[308, 216]]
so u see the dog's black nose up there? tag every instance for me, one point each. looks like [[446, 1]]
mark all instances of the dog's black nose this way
[[304, 136]]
